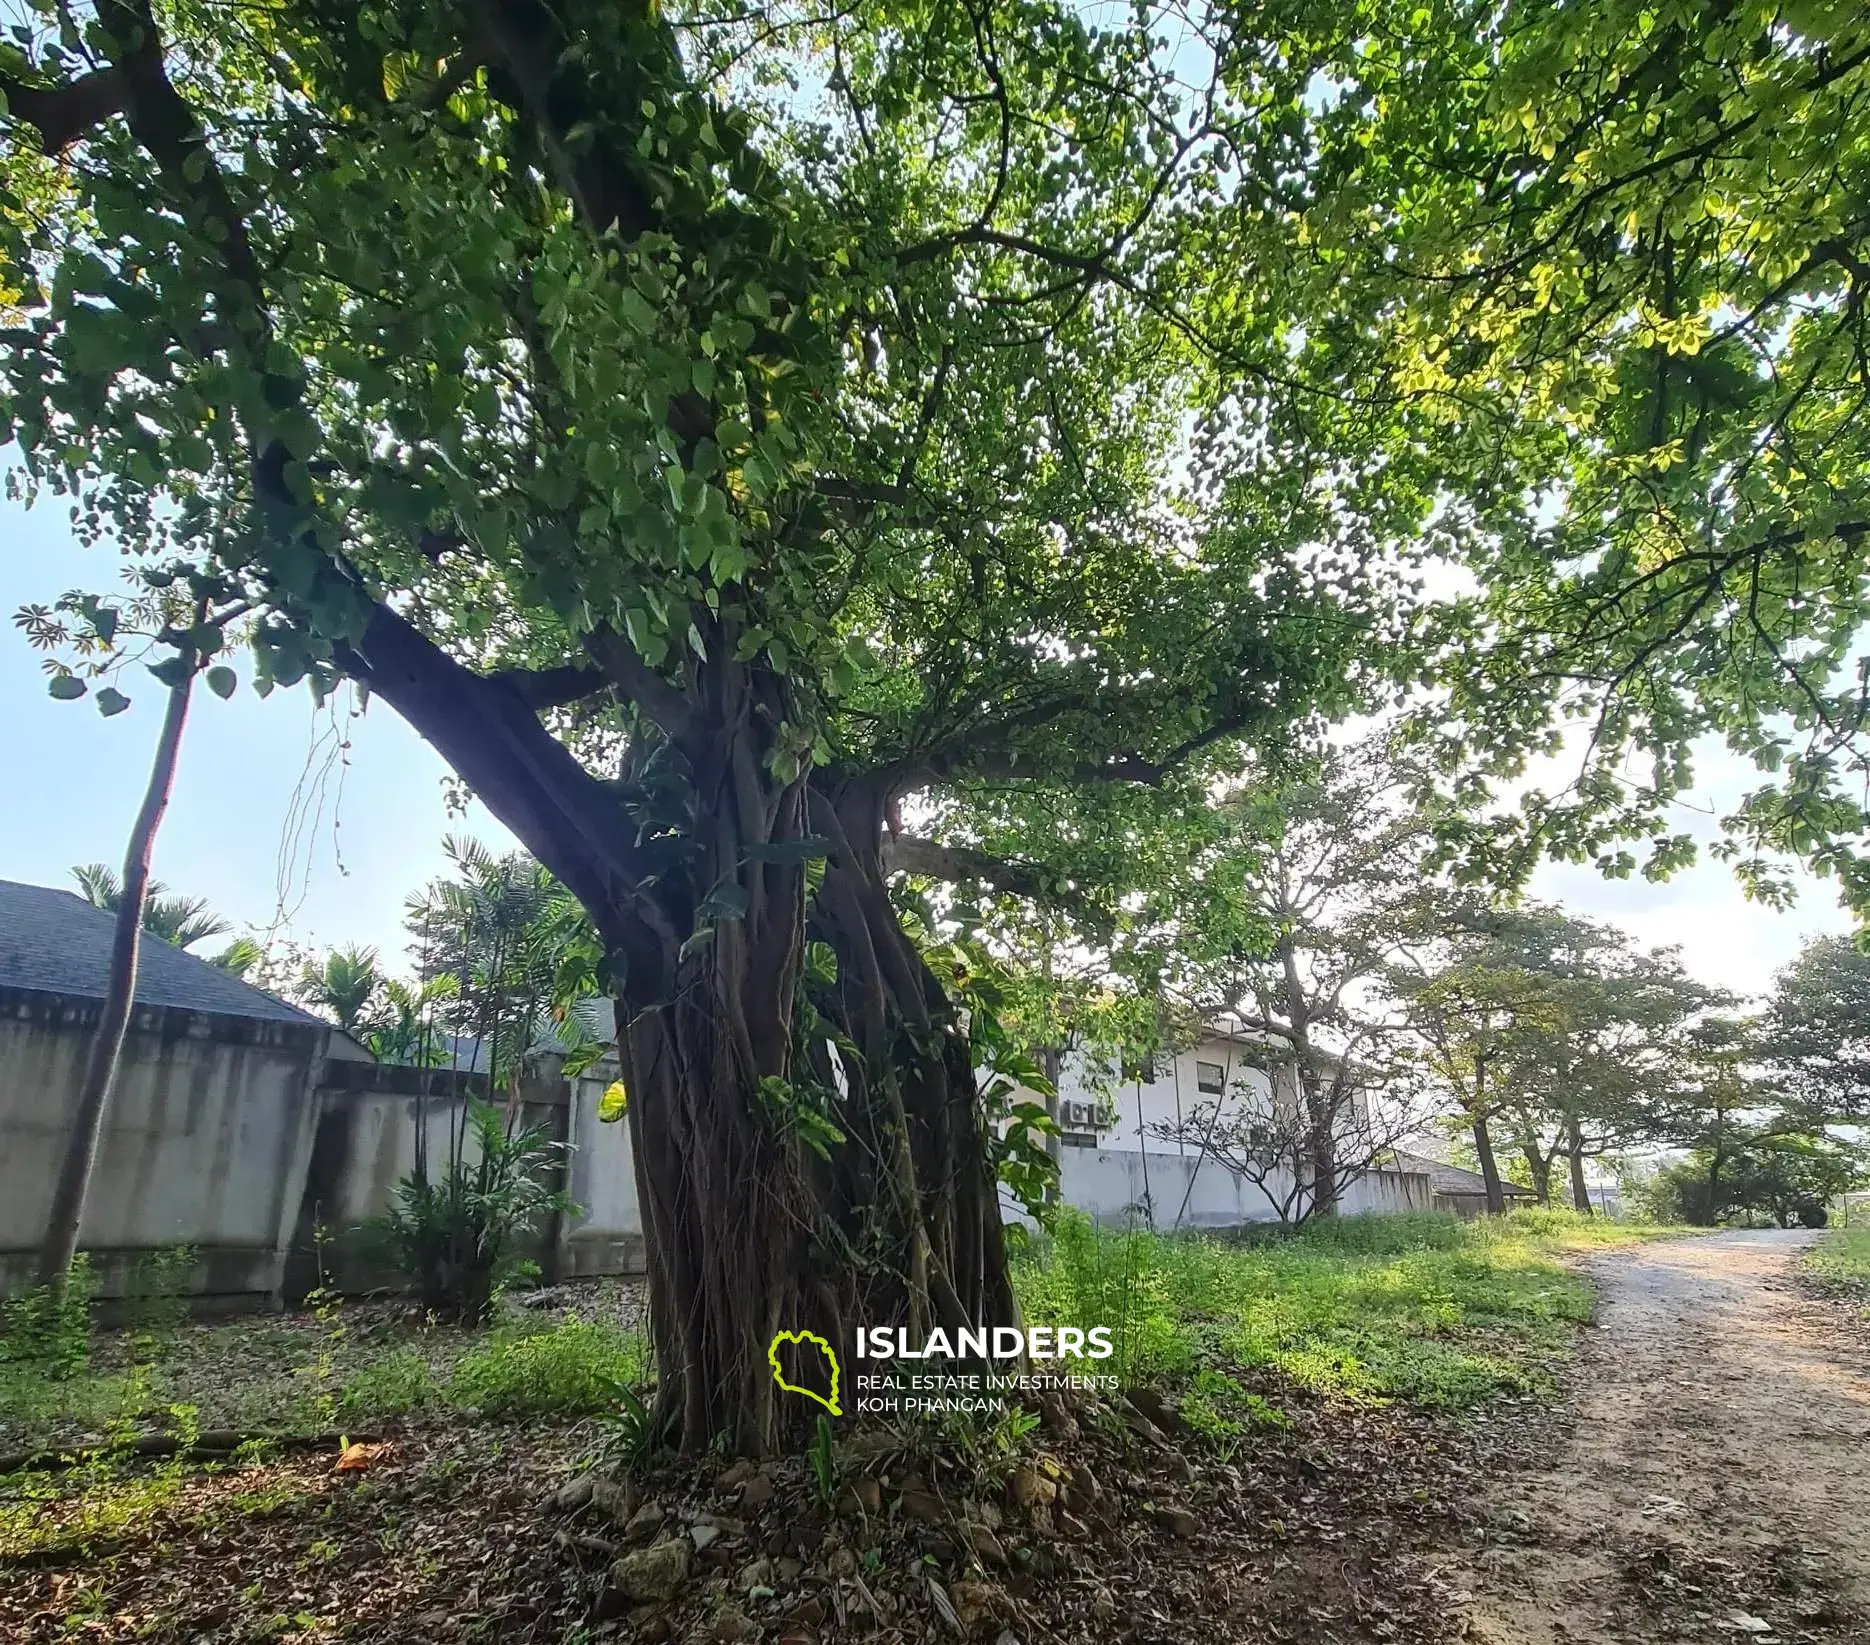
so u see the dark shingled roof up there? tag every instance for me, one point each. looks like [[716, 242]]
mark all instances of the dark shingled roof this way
[[54, 942], [1456, 1179]]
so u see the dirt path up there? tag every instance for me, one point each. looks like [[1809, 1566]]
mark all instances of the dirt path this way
[[1714, 1484]]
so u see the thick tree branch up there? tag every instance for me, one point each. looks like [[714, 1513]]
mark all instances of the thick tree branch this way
[[63, 114], [956, 863], [486, 729], [640, 683], [541, 688]]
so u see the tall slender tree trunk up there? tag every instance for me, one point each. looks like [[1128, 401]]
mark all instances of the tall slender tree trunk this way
[[1574, 1154], [1483, 1141], [106, 1050], [1320, 1111], [1051, 1064], [1539, 1164]]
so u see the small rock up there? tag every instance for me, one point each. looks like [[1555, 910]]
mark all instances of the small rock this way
[[1081, 1489], [977, 1605], [757, 1573], [789, 1571], [645, 1522], [1056, 1418], [571, 1496], [654, 1574], [1007, 1637], [1178, 1521], [730, 1627], [866, 1496], [983, 1544], [756, 1491], [1157, 1407], [923, 1506], [613, 1498], [1027, 1486], [704, 1535], [983, 1513], [737, 1475], [842, 1562]]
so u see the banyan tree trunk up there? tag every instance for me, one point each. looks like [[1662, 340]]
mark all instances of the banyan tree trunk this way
[[748, 1230]]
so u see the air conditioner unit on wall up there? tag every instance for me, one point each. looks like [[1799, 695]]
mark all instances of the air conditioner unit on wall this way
[[1078, 1116]]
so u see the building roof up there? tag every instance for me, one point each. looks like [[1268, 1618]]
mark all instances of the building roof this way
[[54, 942], [1455, 1179]]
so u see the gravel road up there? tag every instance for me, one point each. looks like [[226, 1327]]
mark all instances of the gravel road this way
[[1713, 1483]]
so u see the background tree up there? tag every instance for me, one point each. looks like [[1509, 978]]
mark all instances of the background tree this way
[[65, 1220], [1600, 1058], [1306, 881], [1815, 1033], [345, 983], [1468, 994], [179, 921]]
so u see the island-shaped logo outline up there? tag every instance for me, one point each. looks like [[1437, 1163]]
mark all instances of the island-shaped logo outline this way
[[772, 1359]]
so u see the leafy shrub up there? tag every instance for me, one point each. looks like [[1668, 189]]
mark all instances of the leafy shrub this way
[[574, 1369], [459, 1237], [155, 1302], [50, 1336]]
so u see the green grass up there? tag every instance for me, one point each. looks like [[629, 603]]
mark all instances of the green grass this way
[[319, 1375], [1424, 1308], [1841, 1261]]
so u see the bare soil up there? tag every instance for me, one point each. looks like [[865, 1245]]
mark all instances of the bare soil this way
[[1711, 1481]]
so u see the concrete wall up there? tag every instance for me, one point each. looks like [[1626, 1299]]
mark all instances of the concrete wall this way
[[1121, 1187], [607, 1236], [205, 1143], [249, 1140]]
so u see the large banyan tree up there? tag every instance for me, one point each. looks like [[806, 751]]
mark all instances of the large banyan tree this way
[[733, 436], [712, 431]]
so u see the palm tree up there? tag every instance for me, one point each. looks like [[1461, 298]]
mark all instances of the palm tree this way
[[239, 957], [179, 921], [344, 984]]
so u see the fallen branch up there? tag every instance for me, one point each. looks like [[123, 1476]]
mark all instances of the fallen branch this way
[[210, 1442]]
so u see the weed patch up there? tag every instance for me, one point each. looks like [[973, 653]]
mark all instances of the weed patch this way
[[1841, 1262], [575, 1369], [1426, 1308]]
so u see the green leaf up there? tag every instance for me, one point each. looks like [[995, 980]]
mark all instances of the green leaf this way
[[614, 1104]]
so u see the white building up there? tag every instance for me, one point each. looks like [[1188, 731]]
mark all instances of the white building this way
[[1132, 1148]]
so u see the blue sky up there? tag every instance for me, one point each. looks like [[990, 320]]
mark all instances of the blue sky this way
[[247, 768], [254, 830]]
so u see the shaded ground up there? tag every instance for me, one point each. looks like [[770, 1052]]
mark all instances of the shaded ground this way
[[1715, 1477], [1279, 1503]]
